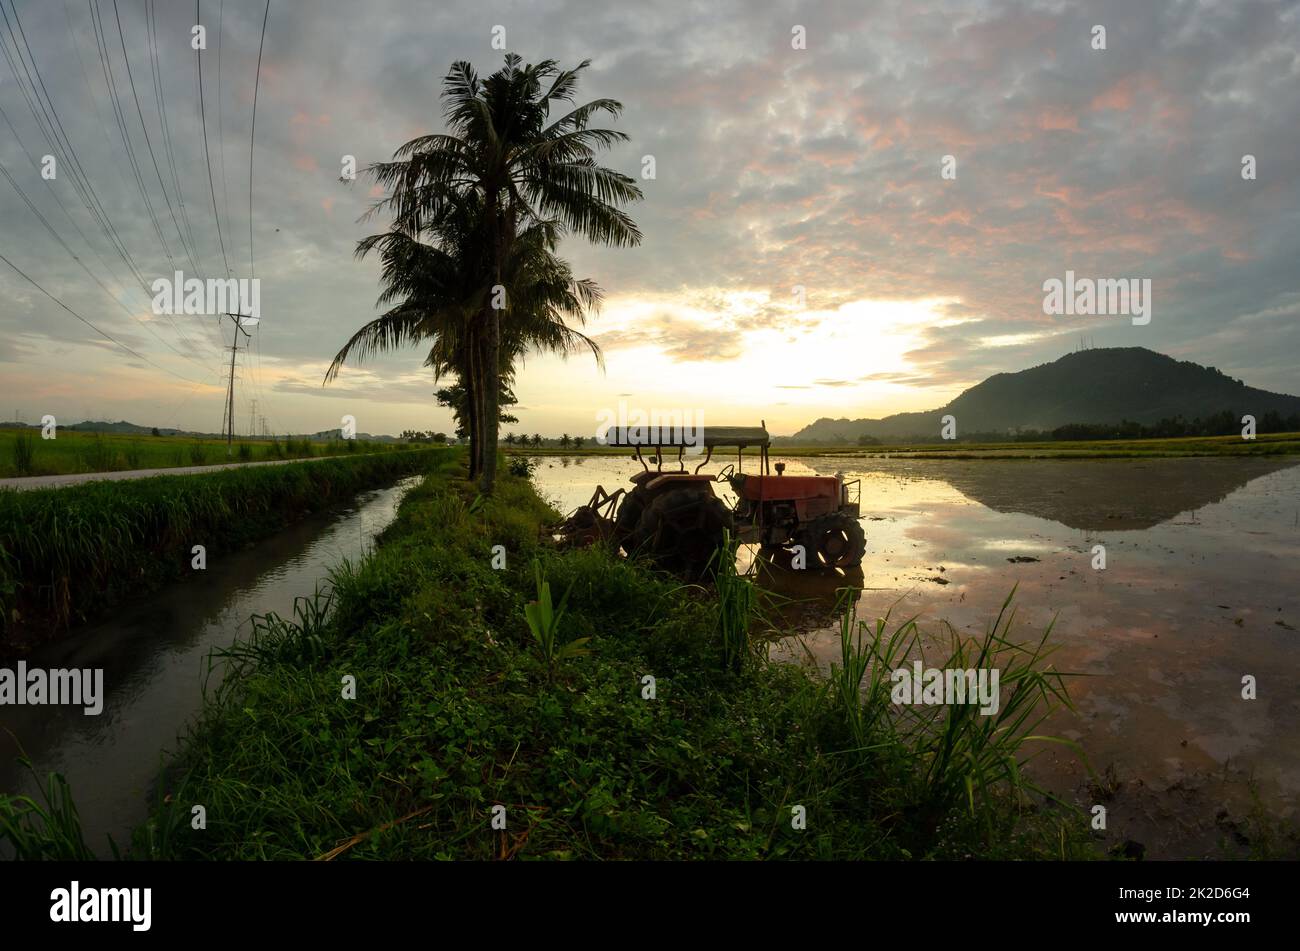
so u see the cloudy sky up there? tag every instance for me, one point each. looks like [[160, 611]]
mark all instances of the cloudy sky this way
[[776, 168]]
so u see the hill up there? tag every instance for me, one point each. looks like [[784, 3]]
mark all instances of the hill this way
[[1092, 386]]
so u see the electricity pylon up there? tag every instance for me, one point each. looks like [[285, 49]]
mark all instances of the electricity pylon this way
[[240, 321]]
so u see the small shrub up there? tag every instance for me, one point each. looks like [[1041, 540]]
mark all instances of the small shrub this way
[[198, 454], [25, 454], [96, 455], [544, 621]]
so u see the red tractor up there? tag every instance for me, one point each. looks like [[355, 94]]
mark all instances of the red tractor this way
[[675, 518]]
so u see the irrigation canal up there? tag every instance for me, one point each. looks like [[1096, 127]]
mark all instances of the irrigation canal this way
[[154, 654]]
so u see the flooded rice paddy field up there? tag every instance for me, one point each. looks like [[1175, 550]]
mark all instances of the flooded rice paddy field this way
[[1199, 590]]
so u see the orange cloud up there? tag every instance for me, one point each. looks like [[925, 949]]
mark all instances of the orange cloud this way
[[1118, 96], [1058, 119]]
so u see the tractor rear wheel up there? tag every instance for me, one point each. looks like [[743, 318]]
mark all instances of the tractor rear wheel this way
[[629, 517], [834, 541], [681, 531]]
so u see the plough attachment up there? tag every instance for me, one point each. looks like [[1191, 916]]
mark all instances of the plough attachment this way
[[591, 523]]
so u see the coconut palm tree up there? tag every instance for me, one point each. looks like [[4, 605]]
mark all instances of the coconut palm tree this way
[[503, 145], [437, 289], [430, 290]]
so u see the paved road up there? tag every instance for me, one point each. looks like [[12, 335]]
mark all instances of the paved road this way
[[59, 481]]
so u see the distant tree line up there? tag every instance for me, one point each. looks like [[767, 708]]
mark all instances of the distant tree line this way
[[565, 441], [1226, 423]]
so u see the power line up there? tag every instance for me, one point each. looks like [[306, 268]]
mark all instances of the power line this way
[[107, 336], [252, 133], [221, 128], [147, 141], [156, 72], [120, 114], [177, 407], [253, 357], [207, 153], [155, 63], [85, 76], [57, 237], [46, 121], [50, 188], [103, 130], [58, 139], [106, 64], [155, 69], [42, 107]]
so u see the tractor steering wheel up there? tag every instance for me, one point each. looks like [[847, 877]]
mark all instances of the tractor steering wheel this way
[[727, 472]]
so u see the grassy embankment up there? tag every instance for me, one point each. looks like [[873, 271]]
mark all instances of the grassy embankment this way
[[467, 698], [25, 453], [1265, 444], [67, 554]]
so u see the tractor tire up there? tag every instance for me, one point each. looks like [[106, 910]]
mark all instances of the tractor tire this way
[[628, 518], [681, 531], [833, 541]]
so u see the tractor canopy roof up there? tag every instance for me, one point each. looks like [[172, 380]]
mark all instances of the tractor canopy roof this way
[[693, 436]]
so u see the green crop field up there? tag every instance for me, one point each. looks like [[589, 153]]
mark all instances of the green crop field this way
[[25, 453], [68, 553]]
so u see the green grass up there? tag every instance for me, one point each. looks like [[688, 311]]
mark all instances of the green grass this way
[[968, 760], [737, 606], [25, 453], [458, 710], [69, 553], [48, 829]]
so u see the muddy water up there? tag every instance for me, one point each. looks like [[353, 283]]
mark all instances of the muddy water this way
[[154, 654], [1199, 590]]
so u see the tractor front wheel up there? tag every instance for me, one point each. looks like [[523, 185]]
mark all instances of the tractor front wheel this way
[[834, 541], [681, 531]]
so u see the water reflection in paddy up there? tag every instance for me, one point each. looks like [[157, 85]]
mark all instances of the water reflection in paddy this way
[[1199, 590]]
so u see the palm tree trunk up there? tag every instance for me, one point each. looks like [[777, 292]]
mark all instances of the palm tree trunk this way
[[491, 377], [480, 388], [492, 358], [472, 386]]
